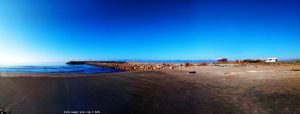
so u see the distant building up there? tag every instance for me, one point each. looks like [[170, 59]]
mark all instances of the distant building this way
[[271, 60]]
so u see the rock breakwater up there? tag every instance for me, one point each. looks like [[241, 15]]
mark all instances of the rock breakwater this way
[[125, 65], [133, 66]]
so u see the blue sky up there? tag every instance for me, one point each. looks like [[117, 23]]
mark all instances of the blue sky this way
[[61, 30]]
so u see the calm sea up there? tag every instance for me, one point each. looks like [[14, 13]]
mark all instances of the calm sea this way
[[55, 68]]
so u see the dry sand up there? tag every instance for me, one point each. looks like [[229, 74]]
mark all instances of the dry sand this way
[[212, 89]]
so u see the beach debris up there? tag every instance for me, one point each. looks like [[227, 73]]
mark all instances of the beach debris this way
[[286, 110], [227, 78], [3, 112], [295, 69], [192, 72]]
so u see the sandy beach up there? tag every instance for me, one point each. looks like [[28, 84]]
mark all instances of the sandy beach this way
[[149, 57], [212, 89]]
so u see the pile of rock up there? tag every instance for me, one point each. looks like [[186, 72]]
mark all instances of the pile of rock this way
[[121, 65], [85, 62], [133, 66]]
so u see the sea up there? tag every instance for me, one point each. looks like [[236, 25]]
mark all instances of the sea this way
[[54, 68]]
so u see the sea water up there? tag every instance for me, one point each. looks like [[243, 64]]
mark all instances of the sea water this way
[[55, 68]]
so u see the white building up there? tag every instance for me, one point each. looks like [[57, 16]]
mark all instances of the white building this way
[[271, 60]]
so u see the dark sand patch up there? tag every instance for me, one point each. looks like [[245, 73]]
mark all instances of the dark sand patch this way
[[117, 93], [279, 96]]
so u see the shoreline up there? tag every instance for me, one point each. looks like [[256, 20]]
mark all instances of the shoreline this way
[[211, 89], [138, 66], [141, 66]]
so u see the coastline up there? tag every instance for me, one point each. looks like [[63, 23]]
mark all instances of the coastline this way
[[212, 89]]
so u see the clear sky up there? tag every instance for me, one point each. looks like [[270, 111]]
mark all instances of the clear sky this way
[[60, 30]]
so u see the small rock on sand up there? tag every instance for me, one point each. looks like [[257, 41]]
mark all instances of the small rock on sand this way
[[192, 72], [295, 69]]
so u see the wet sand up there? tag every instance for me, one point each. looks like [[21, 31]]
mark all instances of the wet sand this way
[[212, 89]]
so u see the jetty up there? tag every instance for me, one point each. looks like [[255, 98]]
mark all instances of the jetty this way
[[127, 66], [86, 62]]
